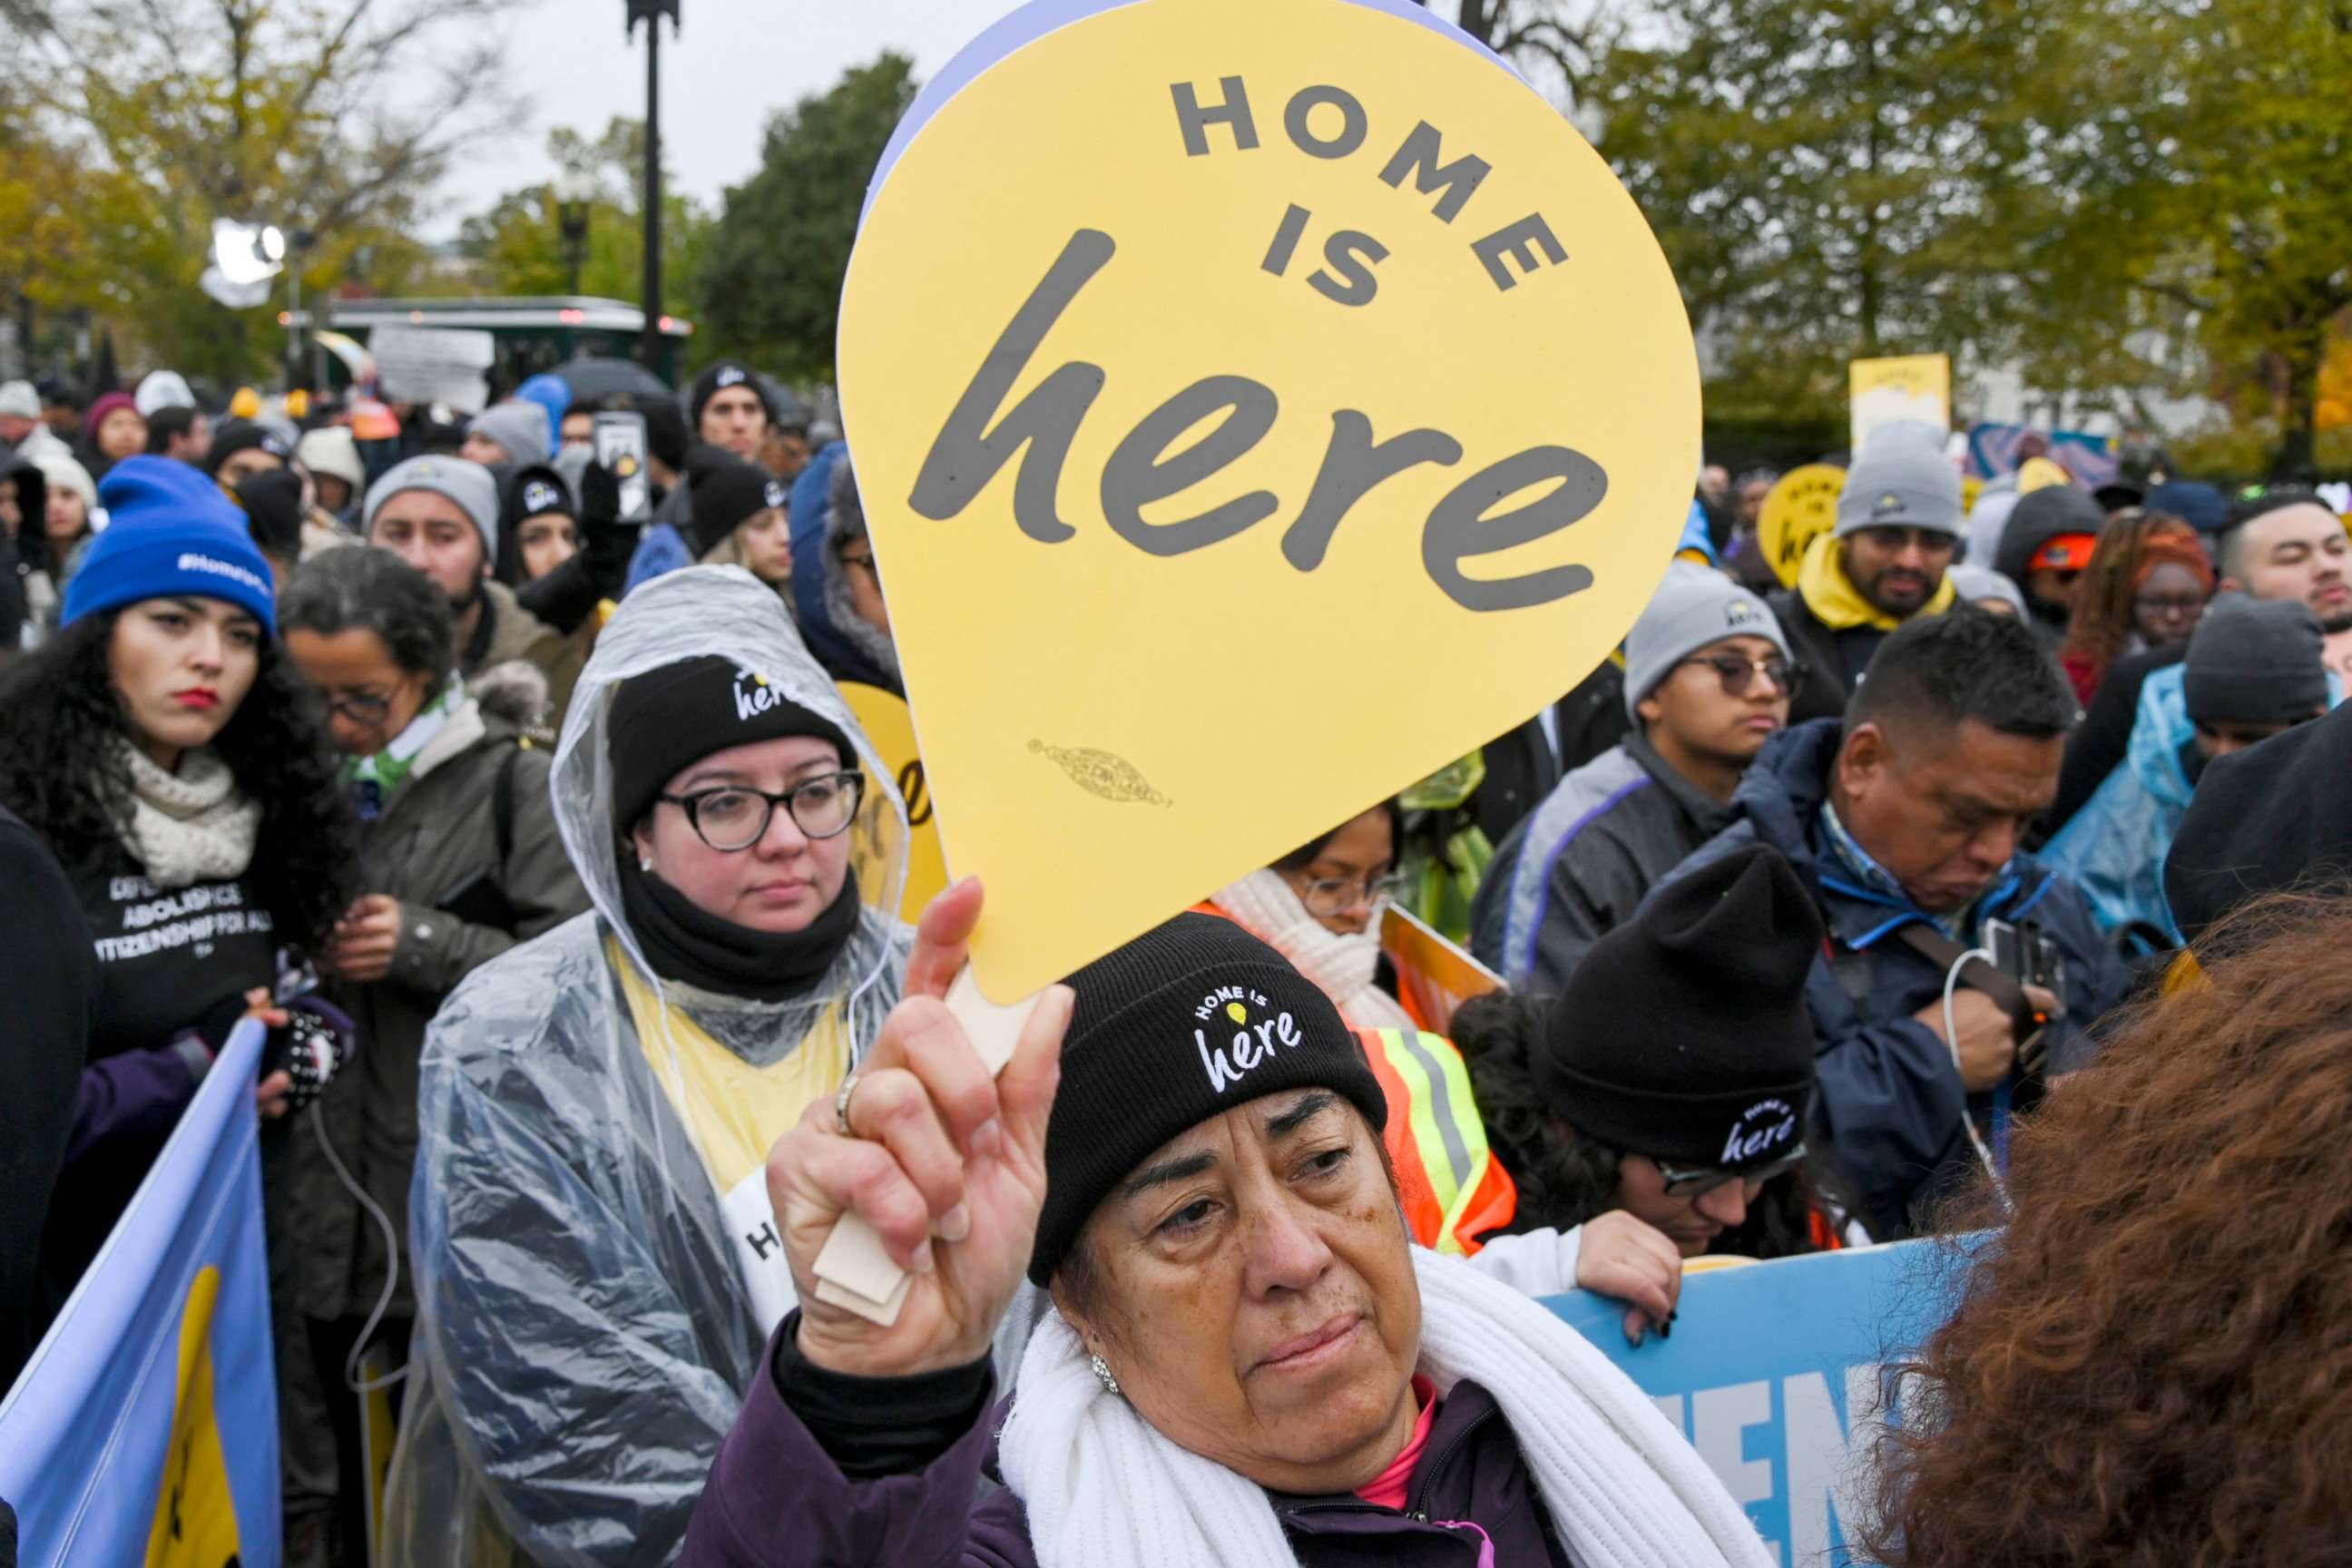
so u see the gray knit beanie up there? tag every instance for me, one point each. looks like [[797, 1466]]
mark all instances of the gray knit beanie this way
[[1694, 605], [2255, 662], [1896, 485], [468, 484]]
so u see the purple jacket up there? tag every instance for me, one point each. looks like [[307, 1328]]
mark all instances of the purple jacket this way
[[774, 1499]]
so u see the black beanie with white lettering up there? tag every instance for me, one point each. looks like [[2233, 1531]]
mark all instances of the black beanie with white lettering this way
[[668, 718], [1683, 1034], [1185, 1022]]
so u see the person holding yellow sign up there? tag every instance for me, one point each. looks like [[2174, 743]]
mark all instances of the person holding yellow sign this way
[[1898, 522]]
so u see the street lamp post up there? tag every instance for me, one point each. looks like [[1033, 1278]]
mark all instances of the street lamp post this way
[[651, 12], [572, 229]]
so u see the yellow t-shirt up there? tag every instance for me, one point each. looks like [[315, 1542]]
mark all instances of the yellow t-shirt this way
[[735, 1112]]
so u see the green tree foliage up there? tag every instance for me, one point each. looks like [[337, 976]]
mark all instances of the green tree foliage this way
[[2194, 182], [1821, 174], [517, 246], [133, 124], [770, 285]]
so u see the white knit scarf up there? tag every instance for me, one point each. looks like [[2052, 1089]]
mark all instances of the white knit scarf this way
[[1103, 1489], [192, 826], [1342, 967]]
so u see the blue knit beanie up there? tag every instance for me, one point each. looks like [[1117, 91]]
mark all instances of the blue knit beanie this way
[[172, 533]]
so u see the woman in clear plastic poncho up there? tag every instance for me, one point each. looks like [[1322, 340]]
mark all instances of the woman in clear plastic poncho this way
[[597, 1267]]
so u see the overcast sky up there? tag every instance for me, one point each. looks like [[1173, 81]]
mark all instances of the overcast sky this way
[[735, 63]]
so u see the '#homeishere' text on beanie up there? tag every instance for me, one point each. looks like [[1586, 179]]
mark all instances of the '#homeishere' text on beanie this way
[[1684, 1035], [1190, 1019]]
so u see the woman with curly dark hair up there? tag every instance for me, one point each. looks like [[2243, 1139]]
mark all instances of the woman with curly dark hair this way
[[1668, 1087], [164, 752], [2144, 586], [2153, 1362]]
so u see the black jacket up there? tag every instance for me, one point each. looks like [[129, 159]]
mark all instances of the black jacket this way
[[47, 1003], [2265, 818], [1833, 661], [1583, 862]]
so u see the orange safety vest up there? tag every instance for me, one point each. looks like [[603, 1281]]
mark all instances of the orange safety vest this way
[[1455, 1190]]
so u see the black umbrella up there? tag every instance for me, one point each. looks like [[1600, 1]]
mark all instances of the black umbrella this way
[[601, 378]]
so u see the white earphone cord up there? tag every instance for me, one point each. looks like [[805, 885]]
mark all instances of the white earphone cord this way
[[352, 1378], [1952, 1042]]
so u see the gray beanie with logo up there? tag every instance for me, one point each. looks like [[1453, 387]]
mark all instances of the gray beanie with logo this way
[[2255, 662], [467, 484], [1694, 605], [1898, 485]]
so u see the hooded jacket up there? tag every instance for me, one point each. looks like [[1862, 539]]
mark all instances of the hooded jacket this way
[[2114, 848], [1891, 1100], [1580, 866], [584, 1335], [2039, 517], [467, 892], [809, 516]]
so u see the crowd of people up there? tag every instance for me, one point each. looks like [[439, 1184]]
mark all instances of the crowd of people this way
[[536, 832]]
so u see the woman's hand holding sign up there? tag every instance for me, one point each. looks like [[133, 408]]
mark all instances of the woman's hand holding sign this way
[[946, 1164]]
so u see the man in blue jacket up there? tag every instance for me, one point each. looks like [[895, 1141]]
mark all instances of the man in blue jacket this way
[[1905, 818]]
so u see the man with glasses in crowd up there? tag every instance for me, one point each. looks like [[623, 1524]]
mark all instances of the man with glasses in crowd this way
[[1898, 522], [1708, 679]]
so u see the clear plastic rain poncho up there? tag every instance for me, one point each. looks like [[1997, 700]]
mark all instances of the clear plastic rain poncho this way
[[585, 1327]]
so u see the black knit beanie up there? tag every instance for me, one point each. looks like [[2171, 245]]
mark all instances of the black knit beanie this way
[[2255, 662], [273, 511], [1684, 1034], [715, 379], [1186, 1021], [231, 437], [670, 718], [723, 492]]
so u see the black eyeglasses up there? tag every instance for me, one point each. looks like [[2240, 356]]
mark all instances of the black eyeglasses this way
[[1738, 672], [1698, 1181], [359, 708], [733, 818], [1329, 896]]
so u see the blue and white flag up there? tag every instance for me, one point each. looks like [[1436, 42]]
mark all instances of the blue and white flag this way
[[145, 1430]]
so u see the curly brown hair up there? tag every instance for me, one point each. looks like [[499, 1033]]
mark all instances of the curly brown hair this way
[[2153, 1363], [2131, 546]]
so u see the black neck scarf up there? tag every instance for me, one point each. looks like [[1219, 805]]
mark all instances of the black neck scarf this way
[[685, 942]]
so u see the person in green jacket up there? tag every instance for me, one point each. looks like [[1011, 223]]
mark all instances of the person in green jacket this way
[[461, 859]]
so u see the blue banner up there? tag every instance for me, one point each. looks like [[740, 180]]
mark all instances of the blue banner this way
[[145, 1430], [1773, 1374]]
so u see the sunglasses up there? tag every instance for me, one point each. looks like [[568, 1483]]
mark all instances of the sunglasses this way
[[1738, 672], [1698, 1181]]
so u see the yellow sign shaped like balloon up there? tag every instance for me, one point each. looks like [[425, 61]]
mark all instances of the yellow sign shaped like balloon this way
[[1198, 357], [891, 732], [1801, 508]]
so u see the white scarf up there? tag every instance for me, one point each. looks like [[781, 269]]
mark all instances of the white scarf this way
[[193, 826], [1103, 1489], [1342, 967]]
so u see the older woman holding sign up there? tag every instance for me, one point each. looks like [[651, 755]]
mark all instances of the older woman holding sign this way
[[597, 1267], [1246, 1364]]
